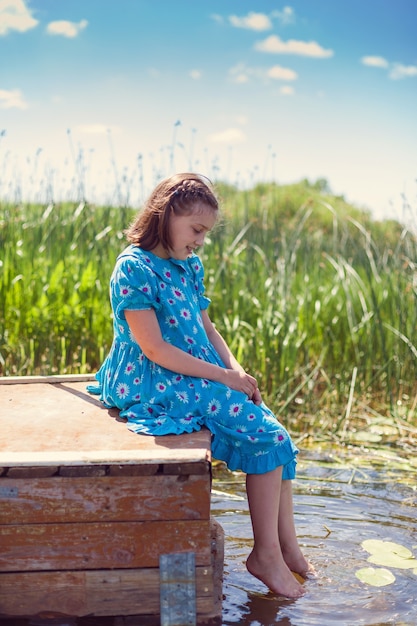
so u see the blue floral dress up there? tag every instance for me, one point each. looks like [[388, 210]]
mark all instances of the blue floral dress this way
[[158, 401]]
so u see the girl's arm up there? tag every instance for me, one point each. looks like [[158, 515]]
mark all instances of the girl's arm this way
[[146, 331], [224, 352]]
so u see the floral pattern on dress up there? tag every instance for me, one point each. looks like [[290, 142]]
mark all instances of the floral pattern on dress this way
[[158, 401]]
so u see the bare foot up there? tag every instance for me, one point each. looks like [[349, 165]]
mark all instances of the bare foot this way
[[297, 562], [274, 573]]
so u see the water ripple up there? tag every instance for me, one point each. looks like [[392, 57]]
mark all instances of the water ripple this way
[[333, 515]]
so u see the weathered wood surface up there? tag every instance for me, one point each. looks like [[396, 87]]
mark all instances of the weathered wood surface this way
[[91, 592], [60, 423], [87, 506], [109, 592], [100, 545], [54, 378], [104, 499]]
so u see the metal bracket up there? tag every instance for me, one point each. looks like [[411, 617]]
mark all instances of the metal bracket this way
[[177, 585], [9, 492]]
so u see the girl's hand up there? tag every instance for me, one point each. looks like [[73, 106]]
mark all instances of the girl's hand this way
[[241, 381], [257, 398]]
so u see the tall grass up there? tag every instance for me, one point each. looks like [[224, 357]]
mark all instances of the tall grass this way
[[314, 298]]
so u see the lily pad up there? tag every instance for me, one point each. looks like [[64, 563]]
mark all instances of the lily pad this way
[[365, 436], [389, 554], [377, 577]]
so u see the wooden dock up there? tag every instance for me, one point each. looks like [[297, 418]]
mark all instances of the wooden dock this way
[[88, 508]]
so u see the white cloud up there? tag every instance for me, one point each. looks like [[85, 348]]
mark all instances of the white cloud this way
[[240, 78], [398, 71], [287, 90], [374, 61], [65, 28], [12, 99], [286, 16], [242, 120], [217, 18], [96, 129], [275, 45], [14, 15], [252, 21], [230, 135], [195, 74], [281, 73], [240, 73]]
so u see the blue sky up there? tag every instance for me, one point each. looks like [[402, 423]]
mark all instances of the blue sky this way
[[102, 97]]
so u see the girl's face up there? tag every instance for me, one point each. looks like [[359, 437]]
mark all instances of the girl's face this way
[[188, 232]]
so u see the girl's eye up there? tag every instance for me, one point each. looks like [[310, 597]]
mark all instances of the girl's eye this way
[[197, 232]]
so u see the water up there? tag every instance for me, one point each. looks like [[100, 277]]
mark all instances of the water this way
[[337, 506], [335, 510]]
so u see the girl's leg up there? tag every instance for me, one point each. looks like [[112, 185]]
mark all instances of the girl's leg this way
[[290, 549], [266, 561]]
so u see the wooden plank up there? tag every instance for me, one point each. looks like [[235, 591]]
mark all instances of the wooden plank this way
[[142, 455], [100, 545], [91, 592], [31, 472], [185, 468], [217, 560], [89, 469], [51, 424], [106, 498], [55, 378]]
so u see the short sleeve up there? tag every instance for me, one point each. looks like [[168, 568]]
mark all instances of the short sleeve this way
[[198, 271], [133, 286]]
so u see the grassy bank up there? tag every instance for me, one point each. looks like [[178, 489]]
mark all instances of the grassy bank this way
[[316, 299]]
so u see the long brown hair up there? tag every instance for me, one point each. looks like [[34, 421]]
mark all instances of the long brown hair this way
[[180, 194]]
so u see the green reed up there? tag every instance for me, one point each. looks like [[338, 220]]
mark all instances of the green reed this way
[[312, 292], [314, 298]]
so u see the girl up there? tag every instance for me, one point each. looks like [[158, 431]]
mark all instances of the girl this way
[[169, 371]]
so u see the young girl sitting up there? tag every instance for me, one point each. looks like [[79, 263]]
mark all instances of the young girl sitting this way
[[169, 371]]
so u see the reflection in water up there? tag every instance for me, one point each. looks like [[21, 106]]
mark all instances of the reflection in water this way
[[335, 510]]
